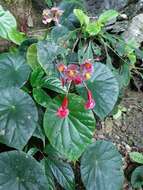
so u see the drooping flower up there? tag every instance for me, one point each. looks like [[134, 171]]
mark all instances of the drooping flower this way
[[63, 111], [90, 101]]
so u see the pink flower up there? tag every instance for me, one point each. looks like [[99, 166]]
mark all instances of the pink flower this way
[[63, 111], [61, 67], [90, 101], [87, 69], [87, 66], [52, 14]]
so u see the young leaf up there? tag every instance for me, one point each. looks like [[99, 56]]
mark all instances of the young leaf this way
[[32, 57], [105, 89], [21, 171], [18, 116], [14, 71], [101, 167], [93, 28], [137, 177], [107, 16], [70, 136], [81, 16], [136, 157]]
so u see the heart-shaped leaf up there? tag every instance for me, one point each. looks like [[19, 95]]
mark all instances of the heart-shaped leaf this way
[[137, 177], [105, 89], [18, 117], [61, 170], [101, 167], [47, 52], [70, 136], [14, 71], [20, 171]]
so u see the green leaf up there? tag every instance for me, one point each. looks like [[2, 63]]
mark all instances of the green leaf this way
[[136, 157], [61, 170], [37, 77], [81, 16], [7, 23], [93, 28], [84, 54], [123, 75], [49, 175], [132, 57], [47, 52], [107, 16], [53, 83], [137, 177], [49, 3], [14, 71], [20, 171], [32, 57], [68, 19], [101, 167], [18, 116], [38, 133], [41, 97], [59, 32], [70, 136], [105, 89], [16, 36]]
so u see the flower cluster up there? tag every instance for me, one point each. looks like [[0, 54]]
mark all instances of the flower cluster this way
[[52, 14], [76, 74]]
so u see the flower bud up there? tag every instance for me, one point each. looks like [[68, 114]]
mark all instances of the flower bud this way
[[63, 111], [90, 101]]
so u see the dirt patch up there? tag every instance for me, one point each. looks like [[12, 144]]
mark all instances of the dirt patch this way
[[128, 129]]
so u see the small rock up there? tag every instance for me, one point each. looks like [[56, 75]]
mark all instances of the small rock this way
[[135, 30]]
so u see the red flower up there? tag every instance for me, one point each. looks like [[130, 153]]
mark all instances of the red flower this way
[[90, 101], [78, 79], [63, 111]]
